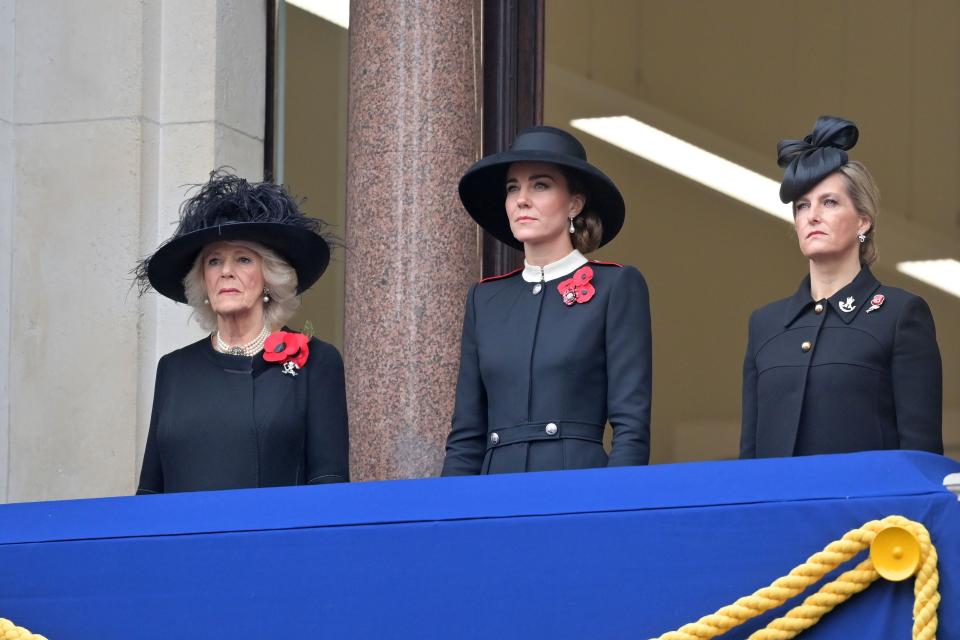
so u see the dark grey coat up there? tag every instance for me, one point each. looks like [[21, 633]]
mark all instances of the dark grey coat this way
[[866, 381], [529, 361]]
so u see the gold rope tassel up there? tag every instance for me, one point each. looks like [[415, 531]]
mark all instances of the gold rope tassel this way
[[804, 616], [10, 631]]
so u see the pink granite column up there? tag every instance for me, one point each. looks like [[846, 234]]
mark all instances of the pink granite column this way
[[413, 128]]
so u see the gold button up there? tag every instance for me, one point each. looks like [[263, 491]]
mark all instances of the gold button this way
[[818, 308], [806, 346]]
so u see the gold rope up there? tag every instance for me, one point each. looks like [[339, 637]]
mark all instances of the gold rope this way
[[10, 631], [804, 616]]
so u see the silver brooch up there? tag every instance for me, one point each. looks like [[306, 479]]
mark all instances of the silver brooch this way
[[290, 368], [537, 288], [847, 305]]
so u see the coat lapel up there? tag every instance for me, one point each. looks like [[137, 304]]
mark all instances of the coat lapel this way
[[853, 298]]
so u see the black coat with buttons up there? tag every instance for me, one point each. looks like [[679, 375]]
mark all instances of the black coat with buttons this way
[[837, 376], [539, 379]]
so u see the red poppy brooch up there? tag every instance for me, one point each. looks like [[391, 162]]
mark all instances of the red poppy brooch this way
[[288, 349], [577, 290], [876, 302]]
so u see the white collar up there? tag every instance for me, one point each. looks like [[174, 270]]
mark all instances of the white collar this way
[[554, 270]]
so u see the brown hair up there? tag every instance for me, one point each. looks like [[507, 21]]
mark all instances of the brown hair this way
[[588, 229]]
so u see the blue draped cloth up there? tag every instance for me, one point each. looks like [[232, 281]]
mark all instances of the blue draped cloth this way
[[603, 553]]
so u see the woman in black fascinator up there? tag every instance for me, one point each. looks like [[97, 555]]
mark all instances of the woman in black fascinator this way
[[846, 363]]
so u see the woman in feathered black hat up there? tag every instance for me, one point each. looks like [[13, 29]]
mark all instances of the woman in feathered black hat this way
[[846, 363], [550, 353], [251, 405]]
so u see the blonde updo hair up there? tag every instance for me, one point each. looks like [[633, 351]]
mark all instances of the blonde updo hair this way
[[863, 191], [278, 277], [587, 226]]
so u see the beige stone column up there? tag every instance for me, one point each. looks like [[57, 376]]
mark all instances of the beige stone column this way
[[106, 110], [413, 128]]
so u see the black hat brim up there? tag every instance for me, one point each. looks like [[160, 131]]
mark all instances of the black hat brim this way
[[483, 192], [305, 251]]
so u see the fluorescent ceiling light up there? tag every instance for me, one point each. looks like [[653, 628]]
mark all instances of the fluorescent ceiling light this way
[[335, 11], [690, 161], [942, 274]]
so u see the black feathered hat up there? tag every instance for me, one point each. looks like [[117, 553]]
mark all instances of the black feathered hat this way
[[483, 186], [228, 207], [806, 162]]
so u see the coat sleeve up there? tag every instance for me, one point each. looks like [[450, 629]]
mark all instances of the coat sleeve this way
[[916, 371], [327, 440], [629, 369], [151, 471], [748, 406], [466, 444]]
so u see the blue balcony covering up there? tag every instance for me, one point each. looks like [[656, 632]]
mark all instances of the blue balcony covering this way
[[606, 553]]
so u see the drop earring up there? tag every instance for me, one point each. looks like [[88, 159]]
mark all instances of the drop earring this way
[[266, 295], [572, 229]]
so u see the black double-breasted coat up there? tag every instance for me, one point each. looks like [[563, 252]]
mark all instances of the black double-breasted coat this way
[[221, 421], [539, 379], [842, 374]]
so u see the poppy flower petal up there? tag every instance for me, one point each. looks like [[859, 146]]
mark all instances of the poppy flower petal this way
[[275, 338], [301, 358], [585, 292], [583, 275], [274, 346]]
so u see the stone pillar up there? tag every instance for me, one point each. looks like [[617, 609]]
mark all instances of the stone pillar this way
[[106, 110], [8, 72], [413, 128]]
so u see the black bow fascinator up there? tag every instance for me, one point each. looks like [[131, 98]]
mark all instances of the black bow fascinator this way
[[227, 207], [806, 162]]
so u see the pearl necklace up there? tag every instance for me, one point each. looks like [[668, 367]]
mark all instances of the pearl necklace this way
[[250, 349]]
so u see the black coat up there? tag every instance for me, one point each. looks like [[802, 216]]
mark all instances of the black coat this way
[[229, 422], [529, 361], [818, 379]]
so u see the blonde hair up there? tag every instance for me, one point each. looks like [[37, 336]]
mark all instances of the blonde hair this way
[[278, 277], [863, 191]]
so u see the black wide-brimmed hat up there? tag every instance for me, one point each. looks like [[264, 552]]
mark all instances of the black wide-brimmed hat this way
[[483, 186], [228, 207], [806, 162]]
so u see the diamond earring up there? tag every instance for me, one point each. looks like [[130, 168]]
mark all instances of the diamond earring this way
[[862, 238]]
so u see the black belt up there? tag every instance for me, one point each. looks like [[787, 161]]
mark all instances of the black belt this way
[[532, 431]]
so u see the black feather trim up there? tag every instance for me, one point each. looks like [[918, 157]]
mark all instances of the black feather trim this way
[[227, 198]]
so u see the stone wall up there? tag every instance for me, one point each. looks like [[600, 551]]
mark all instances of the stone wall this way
[[107, 109]]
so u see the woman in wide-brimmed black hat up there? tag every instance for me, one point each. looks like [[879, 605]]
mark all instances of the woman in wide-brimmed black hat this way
[[551, 352], [846, 363], [253, 404]]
